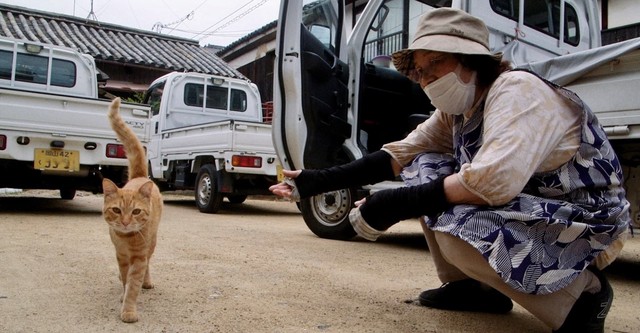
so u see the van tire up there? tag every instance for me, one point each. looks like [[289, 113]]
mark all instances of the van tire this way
[[208, 199], [236, 198], [67, 193], [327, 214]]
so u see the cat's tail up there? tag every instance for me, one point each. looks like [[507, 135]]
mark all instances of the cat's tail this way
[[135, 151]]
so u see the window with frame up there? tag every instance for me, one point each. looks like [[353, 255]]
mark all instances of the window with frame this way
[[33, 68], [388, 34], [238, 100], [217, 97], [321, 19], [63, 73], [154, 96], [542, 15], [6, 63]]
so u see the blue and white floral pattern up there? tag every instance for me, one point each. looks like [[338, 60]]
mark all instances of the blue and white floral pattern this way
[[543, 238]]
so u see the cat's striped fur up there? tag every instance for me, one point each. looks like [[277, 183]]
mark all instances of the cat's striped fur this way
[[133, 215]]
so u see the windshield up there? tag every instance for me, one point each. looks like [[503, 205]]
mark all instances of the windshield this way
[[153, 95]]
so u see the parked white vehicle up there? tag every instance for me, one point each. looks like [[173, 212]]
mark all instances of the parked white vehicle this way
[[334, 101], [54, 131], [209, 136]]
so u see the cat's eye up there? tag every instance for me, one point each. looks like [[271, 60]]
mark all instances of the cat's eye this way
[[136, 211], [116, 210]]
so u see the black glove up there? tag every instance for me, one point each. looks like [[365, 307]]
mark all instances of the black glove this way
[[370, 169], [385, 208]]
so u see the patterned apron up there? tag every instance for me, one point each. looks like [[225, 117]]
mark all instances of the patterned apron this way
[[543, 238]]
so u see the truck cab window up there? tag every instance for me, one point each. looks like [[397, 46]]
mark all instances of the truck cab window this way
[[217, 97], [6, 63], [63, 73], [238, 100], [388, 32], [543, 16], [33, 68], [320, 18], [154, 96], [193, 94]]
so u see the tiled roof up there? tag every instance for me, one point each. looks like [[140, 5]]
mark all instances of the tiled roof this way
[[111, 42], [259, 32]]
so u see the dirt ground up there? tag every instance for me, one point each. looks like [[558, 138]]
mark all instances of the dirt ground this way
[[253, 267]]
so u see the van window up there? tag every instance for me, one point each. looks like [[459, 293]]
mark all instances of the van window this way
[[6, 61], [153, 96], [321, 19], [216, 97], [238, 100], [33, 68], [63, 73], [388, 33], [543, 16]]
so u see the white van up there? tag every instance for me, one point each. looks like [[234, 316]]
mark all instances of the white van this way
[[334, 101]]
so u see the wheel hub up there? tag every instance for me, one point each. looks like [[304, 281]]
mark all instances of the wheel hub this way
[[204, 190], [332, 207]]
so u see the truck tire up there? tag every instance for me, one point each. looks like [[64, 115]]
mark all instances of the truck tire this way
[[208, 199], [237, 199], [67, 193], [327, 214]]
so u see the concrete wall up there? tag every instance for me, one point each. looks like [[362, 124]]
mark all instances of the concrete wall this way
[[623, 12]]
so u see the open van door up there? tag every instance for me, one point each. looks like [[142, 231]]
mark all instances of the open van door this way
[[336, 96], [311, 104]]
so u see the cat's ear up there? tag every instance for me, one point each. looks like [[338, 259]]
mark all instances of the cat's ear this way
[[108, 187], [146, 188]]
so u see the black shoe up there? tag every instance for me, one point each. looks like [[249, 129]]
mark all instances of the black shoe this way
[[590, 310], [466, 295]]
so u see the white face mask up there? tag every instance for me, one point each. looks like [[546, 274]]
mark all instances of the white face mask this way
[[450, 95]]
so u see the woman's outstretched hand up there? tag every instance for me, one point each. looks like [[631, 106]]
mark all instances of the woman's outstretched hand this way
[[285, 189]]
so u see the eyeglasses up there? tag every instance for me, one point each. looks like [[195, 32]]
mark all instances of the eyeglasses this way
[[421, 72]]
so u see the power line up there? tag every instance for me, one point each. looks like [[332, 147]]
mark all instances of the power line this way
[[231, 21], [192, 12], [158, 26]]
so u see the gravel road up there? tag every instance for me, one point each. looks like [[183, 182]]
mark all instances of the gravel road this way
[[253, 267]]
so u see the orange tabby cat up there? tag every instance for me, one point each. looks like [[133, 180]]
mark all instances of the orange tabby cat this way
[[133, 215]]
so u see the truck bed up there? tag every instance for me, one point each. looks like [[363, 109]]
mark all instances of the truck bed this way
[[45, 117], [606, 79], [60, 142], [219, 136], [224, 137]]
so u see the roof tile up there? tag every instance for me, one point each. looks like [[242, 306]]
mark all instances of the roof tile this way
[[112, 42]]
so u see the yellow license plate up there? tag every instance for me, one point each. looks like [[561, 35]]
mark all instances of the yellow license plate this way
[[57, 159], [279, 172]]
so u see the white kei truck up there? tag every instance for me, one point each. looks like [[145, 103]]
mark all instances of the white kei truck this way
[[54, 131], [335, 101], [209, 136]]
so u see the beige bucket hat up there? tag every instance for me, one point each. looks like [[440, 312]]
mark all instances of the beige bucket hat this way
[[446, 30]]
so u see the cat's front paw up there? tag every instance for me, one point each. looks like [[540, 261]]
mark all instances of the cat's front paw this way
[[129, 316], [148, 285]]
